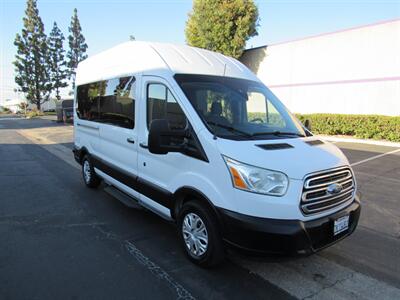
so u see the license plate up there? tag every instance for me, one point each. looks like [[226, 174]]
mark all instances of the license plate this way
[[341, 224]]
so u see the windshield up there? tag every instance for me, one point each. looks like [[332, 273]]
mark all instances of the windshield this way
[[239, 109]]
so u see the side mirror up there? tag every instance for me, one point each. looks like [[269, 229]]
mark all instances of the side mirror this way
[[307, 124], [162, 139]]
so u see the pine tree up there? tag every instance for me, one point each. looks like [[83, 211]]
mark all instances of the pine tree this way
[[58, 71], [77, 45], [31, 67]]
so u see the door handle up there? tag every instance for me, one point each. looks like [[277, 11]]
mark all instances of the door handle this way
[[88, 126], [144, 146], [130, 140]]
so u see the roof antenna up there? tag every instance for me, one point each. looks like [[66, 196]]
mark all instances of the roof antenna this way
[[224, 69]]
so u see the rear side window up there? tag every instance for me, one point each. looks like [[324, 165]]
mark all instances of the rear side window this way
[[117, 102], [161, 104], [111, 102], [88, 96]]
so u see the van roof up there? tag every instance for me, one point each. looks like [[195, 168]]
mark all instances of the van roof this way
[[156, 59]]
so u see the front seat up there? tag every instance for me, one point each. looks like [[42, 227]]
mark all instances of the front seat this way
[[215, 115]]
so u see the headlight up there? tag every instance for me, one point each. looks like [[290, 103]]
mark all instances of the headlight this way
[[257, 180]]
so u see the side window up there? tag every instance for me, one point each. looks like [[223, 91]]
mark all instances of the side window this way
[[117, 102], [261, 110], [256, 107], [88, 96], [161, 104], [274, 117]]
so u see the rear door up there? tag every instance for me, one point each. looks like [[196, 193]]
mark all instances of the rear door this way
[[87, 116]]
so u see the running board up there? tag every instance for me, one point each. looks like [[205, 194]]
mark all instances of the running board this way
[[121, 196]]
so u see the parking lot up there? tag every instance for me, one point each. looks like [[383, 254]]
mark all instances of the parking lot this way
[[61, 240]]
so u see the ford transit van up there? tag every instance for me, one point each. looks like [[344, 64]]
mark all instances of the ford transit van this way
[[197, 138]]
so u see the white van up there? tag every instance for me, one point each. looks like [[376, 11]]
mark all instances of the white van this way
[[197, 138]]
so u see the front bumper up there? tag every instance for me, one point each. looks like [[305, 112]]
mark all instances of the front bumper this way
[[289, 237]]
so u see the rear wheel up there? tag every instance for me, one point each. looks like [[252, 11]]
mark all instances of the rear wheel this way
[[200, 235], [89, 176]]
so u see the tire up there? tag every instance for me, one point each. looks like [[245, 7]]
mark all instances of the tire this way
[[206, 247], [89, 176]]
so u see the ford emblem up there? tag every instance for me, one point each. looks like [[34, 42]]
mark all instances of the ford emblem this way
[[334, 188]]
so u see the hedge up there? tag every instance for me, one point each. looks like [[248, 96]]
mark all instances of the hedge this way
[[360, 126]]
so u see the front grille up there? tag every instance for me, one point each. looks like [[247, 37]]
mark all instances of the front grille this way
[[316, 198]]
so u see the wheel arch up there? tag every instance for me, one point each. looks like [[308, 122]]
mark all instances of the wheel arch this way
[[187, 193], [80, 154]]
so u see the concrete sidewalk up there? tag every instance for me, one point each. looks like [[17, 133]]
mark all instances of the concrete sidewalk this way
[[348, 139]]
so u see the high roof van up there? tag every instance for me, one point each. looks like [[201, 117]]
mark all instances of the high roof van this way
[[197, 138]]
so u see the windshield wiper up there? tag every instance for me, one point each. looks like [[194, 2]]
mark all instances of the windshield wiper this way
[[278, 133], [230, 128]]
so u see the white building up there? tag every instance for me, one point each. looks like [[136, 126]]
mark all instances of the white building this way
[[353, 71], [14, 104]]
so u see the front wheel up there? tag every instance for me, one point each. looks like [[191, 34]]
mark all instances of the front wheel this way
[[89, 176], [200, 235]]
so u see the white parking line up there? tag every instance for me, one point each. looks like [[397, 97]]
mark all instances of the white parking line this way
[[374, 157]]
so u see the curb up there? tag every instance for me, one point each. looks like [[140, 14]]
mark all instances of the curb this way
[[358, 141], [11, 118]]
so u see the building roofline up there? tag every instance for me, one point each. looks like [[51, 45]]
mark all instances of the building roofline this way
[[256, 48], [327, 33]]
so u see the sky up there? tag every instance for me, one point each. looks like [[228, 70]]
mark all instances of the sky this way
[[106, 23]]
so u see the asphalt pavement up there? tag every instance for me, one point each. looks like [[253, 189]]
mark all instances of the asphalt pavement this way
[[62, 240]]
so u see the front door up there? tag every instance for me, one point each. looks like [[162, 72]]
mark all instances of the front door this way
[[156, 171]]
